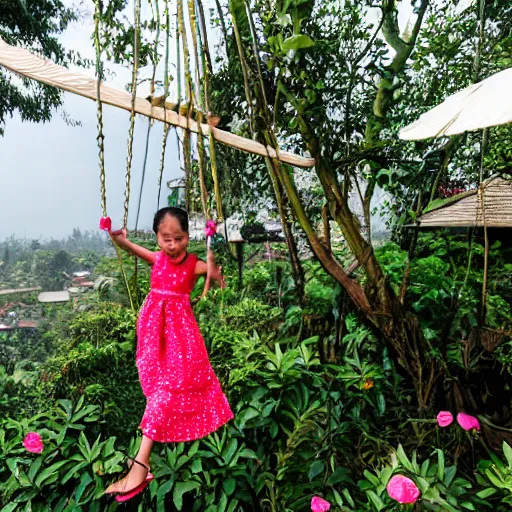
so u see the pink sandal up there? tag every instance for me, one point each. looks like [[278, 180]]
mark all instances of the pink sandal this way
[[121, 498], [128, 495]]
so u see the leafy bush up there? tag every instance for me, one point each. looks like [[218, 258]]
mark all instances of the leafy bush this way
[[67, 475]]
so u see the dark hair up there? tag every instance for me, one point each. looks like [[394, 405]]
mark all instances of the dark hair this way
[[177, 213]]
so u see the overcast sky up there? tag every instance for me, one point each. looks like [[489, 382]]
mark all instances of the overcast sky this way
[[49, 173]]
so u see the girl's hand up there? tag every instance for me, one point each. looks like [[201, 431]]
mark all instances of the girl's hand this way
[[118, 236], [213, 271]]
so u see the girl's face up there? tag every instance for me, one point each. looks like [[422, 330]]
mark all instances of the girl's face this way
[[171, 238]]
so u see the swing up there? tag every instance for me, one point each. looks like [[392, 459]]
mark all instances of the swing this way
[[105, 222]]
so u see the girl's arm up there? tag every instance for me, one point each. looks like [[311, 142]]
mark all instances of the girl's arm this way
[[210, 268], [122, 241]]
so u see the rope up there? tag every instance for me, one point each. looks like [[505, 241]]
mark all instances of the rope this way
[[136, 43], [162, 162], [150, 124], [101, 138], [99, 107], [166, 93], [189, 93], [483, 146]]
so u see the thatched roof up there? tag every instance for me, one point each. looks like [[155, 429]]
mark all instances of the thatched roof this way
[[465, 210]]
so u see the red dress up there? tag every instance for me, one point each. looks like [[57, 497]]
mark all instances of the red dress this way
[[184, 398]]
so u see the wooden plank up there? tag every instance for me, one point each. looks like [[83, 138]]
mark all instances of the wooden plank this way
[[24, 63], [12, 291], [61, 296]]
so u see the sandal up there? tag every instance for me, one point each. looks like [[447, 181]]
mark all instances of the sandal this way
[[130, 493]]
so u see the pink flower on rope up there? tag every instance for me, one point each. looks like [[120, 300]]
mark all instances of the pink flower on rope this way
[[319, 505], [444, 418], [403, 489], [33, 442], [467, 422], [210, 229], [105, 224]]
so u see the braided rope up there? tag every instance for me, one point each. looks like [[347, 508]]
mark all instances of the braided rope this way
[[166, 93], [162, 161], [136, 43], [101, 138], [99, 107], [189, 94], [156, 18]]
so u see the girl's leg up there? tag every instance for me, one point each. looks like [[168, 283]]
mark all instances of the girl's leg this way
[[137, 473], [144, 453]]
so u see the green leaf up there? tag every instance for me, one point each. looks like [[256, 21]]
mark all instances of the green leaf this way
[[10, 507], [316, 468], [229, 486], [34, 468], [339, 476], [348, 497], [297, 42], [232, 506], [402, 457], [440, 464], [73, 470], [508, 453], [449, 475], [377, 502], [50, 472], [221, 505], [180, 489], [229, 451], [84, 482], [486, 493], [164, 489], [371, 478], [196, 466]]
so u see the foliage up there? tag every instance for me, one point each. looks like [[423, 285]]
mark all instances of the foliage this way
[[35, 25], [67, 473]]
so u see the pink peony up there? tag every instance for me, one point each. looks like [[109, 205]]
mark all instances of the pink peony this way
[[403, 489], [467, 422], [105, 224], [33, 442], [444, 418], [319, 505], [211, 228]]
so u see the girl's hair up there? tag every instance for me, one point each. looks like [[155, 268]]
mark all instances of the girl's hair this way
[[177, 213]]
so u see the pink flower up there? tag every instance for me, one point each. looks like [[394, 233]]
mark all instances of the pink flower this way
[[444, 418], [105, 224], [467, 422], [402, 489], [211, 228], [319, 505], [33, 442]]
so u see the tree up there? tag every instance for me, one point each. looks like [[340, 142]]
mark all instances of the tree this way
[[321, 76], [36, 25]]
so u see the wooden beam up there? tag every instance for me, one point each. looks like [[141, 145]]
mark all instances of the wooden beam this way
[[24, 63]]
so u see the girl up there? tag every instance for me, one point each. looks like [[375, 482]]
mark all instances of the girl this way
[[184, 398]]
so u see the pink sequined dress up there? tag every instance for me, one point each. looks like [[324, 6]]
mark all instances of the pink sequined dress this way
[[184, 397]]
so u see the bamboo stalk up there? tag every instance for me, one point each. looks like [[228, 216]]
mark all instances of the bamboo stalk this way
[[201, 90], [207, 69]]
